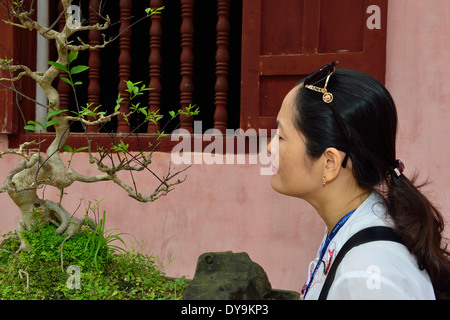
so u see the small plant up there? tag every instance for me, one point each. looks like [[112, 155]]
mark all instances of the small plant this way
[[99, 239], [73, 55], [109, 274]]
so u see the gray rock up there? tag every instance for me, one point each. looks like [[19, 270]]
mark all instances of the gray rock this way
[[227, 276]]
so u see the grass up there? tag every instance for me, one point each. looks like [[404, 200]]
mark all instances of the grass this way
[[104, 271]]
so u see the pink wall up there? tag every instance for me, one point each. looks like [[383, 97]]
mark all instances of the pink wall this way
[[232, 207], [218, 208], [417, 63]]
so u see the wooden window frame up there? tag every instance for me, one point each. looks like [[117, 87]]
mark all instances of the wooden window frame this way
[[77, 140], [371, 59]]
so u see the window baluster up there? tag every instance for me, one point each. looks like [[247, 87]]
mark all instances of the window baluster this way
[[155, 61], [187, 61], [124, 61], [94, 60], [222, 66]]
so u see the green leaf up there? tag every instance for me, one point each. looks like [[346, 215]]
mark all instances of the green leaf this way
[[151, 11], [81, 149], [67, 80], [172, 114], [73, 55], [32, 125], [54, 113], [58, 65], [29, 127], [51, 123], [143, 111], [129, 86], [123, 147], [67, 148], [35, 123], [78, 69], [161, 135]]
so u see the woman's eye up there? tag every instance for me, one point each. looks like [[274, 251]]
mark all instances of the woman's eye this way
[[277, 134]]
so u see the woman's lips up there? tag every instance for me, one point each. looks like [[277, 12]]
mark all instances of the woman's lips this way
[[274, 169]]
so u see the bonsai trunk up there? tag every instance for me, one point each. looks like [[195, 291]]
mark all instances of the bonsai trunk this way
[[31, 175], [37, 211]]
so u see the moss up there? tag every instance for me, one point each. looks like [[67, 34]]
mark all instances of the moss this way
[[118, 275]]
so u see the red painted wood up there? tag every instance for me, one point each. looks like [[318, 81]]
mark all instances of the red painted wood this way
[[8, 109], [343, 33], [187, 61], [222, 66], [274, 40], [251, 43], [310, 26], [284, 41], [124, 60], [13, 107], [155, 61], [94, 60]]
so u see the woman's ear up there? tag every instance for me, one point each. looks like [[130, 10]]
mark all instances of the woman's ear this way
[[332, 163]]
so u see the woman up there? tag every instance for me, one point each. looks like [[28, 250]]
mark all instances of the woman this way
[[336, 149]]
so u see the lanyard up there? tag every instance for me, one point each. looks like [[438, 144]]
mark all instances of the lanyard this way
[[330, 237]]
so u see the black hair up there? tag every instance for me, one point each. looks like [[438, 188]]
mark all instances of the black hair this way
[[370, 118]]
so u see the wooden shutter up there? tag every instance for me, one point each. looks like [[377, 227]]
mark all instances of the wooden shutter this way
[[283, 41], [8, 112], [19, 45]]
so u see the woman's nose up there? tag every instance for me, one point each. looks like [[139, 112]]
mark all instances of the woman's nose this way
[[269, 147]]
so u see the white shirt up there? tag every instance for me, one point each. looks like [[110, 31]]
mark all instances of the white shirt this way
[[375, 270]]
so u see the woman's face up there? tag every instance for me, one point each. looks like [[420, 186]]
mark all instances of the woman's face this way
[[295, 174]]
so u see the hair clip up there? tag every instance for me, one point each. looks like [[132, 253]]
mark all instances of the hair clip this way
[[399, 168], [323, 73]]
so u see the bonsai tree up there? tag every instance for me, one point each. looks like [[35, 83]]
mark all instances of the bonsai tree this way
[[38, 169]]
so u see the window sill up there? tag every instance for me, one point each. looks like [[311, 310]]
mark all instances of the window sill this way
[[222, 143]]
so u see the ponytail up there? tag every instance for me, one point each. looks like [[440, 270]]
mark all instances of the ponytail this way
[[420, 225]]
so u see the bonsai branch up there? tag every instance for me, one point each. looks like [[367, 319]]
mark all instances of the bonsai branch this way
[[41, 169]]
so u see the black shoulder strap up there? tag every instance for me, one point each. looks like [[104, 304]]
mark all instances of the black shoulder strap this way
[[363, 236]]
